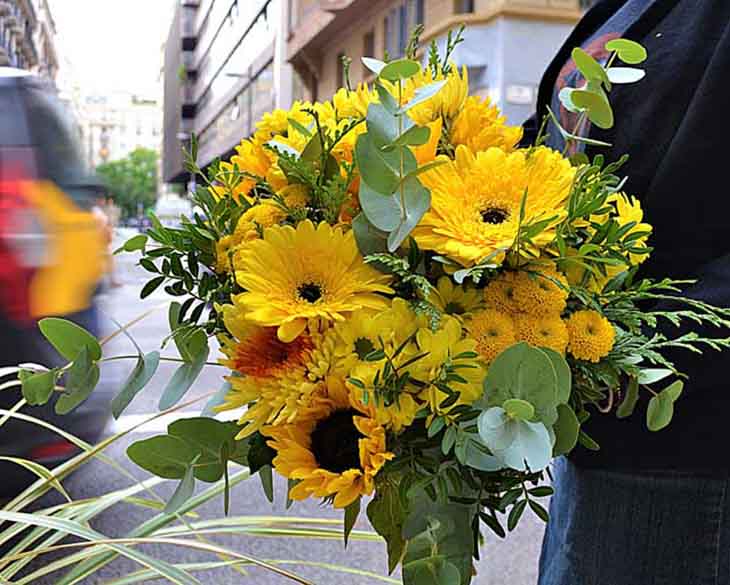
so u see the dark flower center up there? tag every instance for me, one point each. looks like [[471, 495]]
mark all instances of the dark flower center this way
[[453, 308], [335, 442], [310, 292], [363, 346], [494, 215]]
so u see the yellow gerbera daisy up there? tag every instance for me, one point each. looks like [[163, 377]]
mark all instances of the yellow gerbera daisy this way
[[335, 452], [479, 126], [476, 200], [542, 331], [591, 335], [455, 300], [493, 332], [293, 275], [539, 289]]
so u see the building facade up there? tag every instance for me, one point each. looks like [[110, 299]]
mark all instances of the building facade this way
[[225, 65], [114, 124], [508, 43], [27, 37]]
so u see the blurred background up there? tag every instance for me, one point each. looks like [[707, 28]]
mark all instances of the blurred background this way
[[98, 99]]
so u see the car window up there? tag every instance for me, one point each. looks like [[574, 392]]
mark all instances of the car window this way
[[55, 137], [13, 128]]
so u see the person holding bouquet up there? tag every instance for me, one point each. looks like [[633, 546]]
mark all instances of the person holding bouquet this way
[[654, 508]]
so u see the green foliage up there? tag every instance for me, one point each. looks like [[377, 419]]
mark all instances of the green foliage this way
[[69, 339], [81, 379], [132, 181], [661, 406], [38, 387], [387, 515], [142, 373]]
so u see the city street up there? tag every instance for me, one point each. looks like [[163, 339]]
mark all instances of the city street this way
[[514, 561]]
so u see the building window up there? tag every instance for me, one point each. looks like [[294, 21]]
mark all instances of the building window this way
[[398, 25], [463, 6], [368, 49]]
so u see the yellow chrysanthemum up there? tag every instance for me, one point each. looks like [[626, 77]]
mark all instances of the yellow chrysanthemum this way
[[499, 294], [275, 381], [335, 452], [493, 332], [476, 200], [479, 126], [448, 346], [307, 272], [295, 196], [540, 289], [354, 103], [542, 331], [447, 103], [276, 123], [394, 416], [628, 210], [223, 251], [591, 335], [455, 300]]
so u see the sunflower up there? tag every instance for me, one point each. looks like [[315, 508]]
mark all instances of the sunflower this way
[[591, 335], [476, 201], [547, 331], [540, 289], [479, 126], [493, 332], [307, 272], [455, 300], [335, 452]]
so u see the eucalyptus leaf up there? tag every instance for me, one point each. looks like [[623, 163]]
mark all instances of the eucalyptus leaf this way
[[596, 106], [164, 456], [563, 374], [519, 409], [183, 492], [68, 338], [566, 100], [628, 51], [417, 200], [375, 65], [566, 430], [181, 381], [81, 379], [400, 69], [143, 371], [379, 169], [591, 69], [382, 211], [414, 136], [527, 373], [660, 411], [423, 94], [628, 404], [625, 74], [38, 387], [652, 375], [370, 240]]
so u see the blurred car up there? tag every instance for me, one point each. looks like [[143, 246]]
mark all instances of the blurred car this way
[[51, 261]]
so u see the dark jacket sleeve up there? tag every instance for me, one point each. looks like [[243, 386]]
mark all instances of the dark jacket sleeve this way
[[529, 131]]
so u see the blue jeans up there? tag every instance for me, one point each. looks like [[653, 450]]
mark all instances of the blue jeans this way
[[636, 528]]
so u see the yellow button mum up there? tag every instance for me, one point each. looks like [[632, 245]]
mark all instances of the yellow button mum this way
[[476, 199], [543, 331], [493, 331], [296, 274], [591, 335]]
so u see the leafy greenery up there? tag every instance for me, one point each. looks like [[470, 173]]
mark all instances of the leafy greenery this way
[[132, 181]]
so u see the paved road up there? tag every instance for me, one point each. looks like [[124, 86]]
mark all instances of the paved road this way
[[513, 561]]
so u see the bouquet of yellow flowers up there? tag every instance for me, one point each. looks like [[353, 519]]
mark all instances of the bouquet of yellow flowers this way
[[414, 308]]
